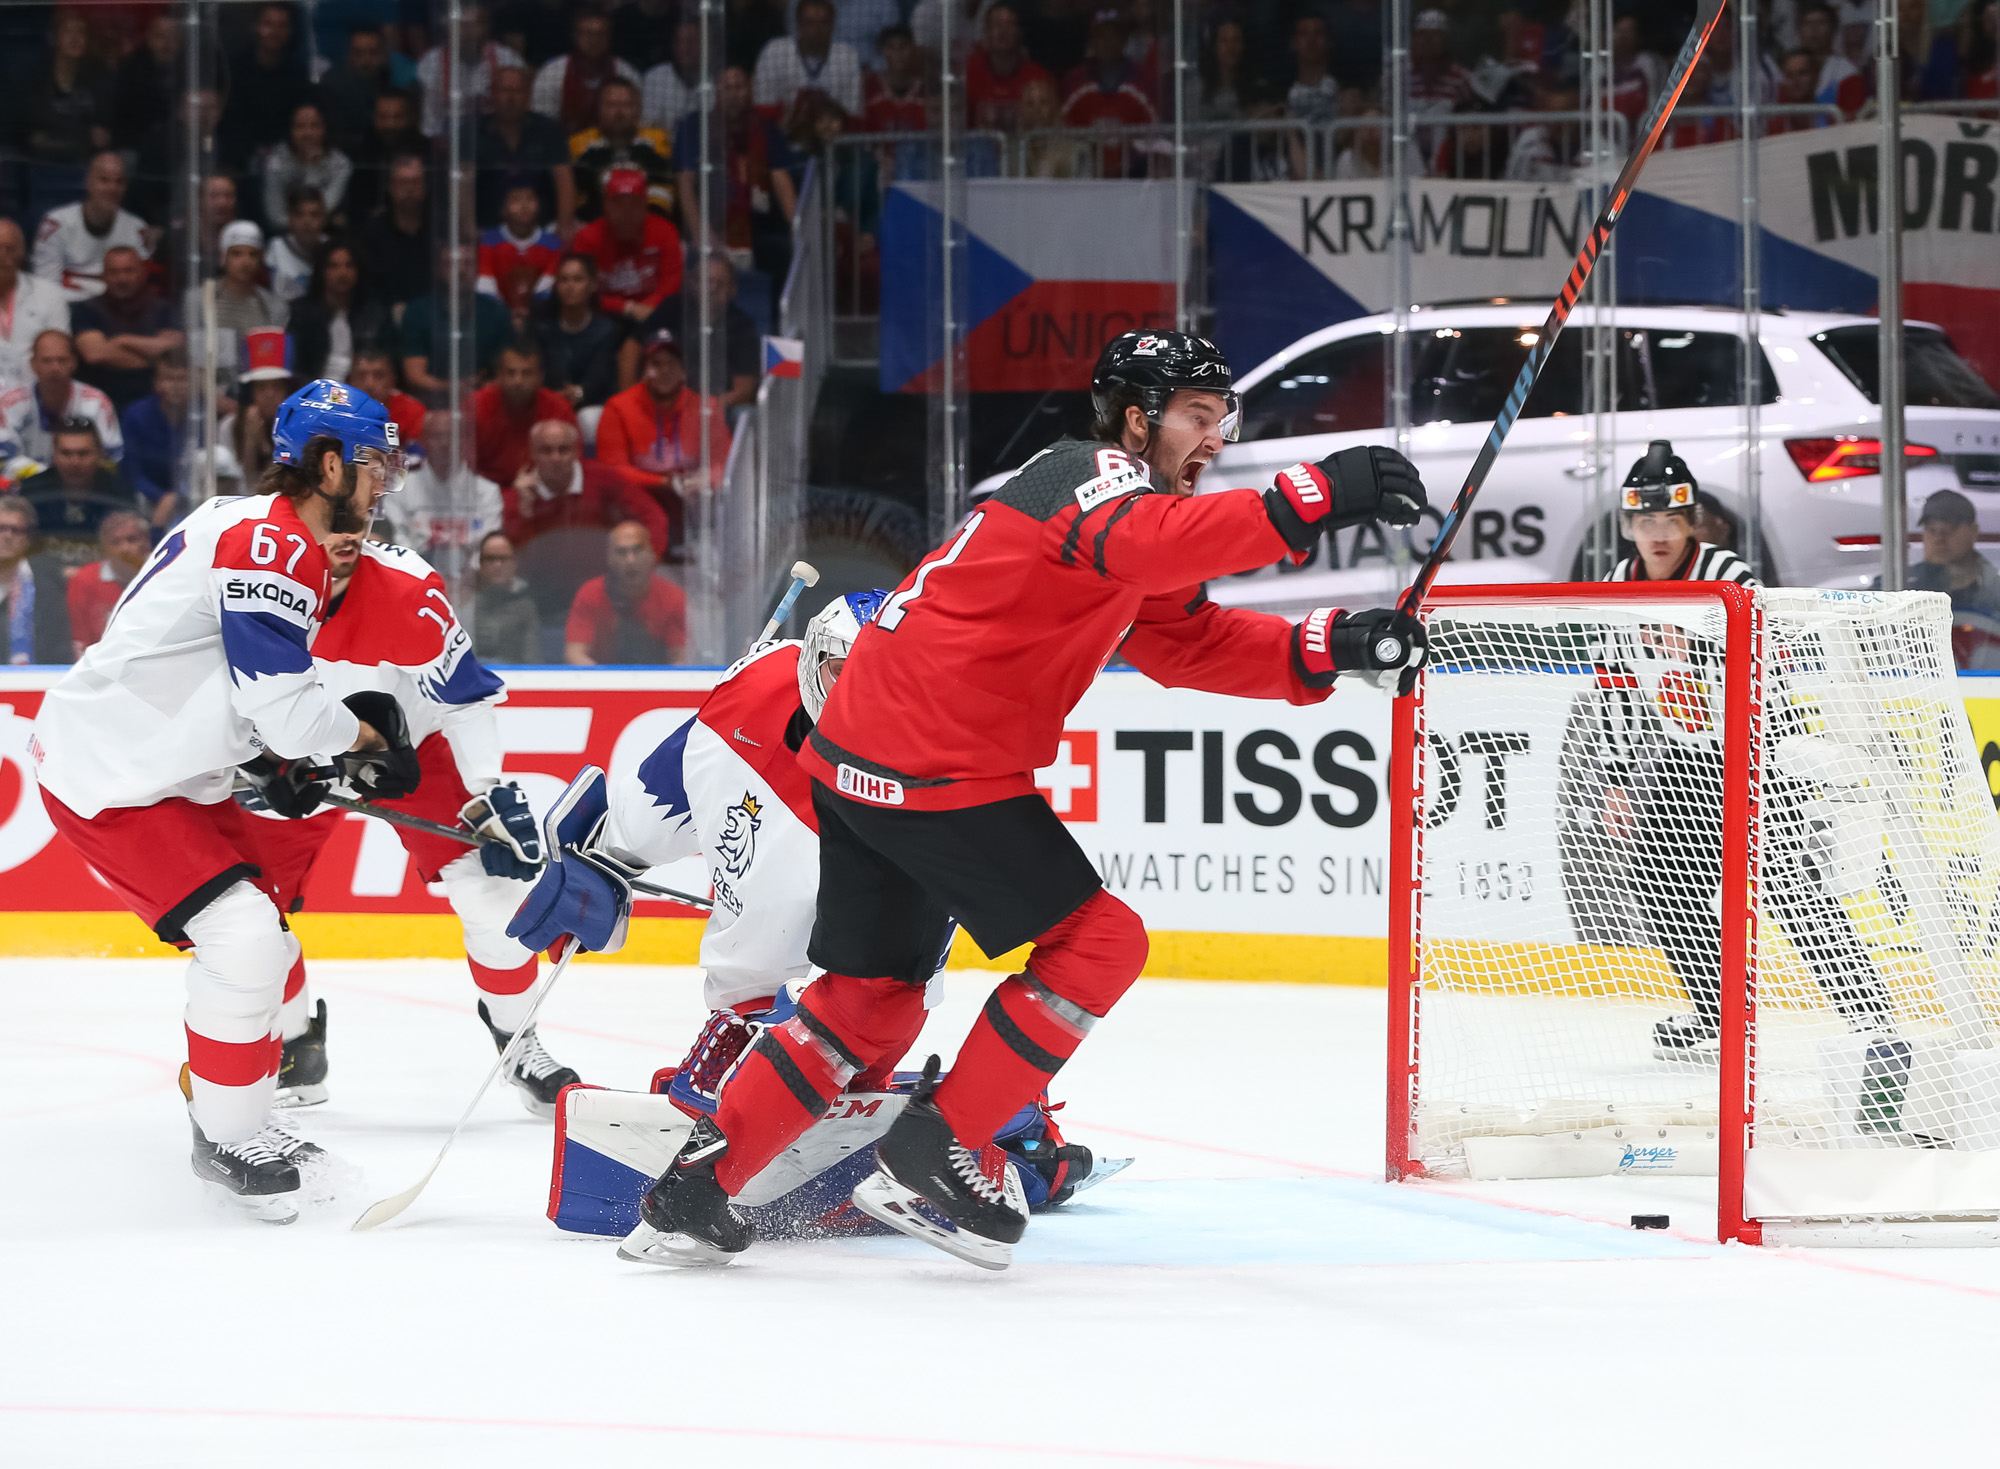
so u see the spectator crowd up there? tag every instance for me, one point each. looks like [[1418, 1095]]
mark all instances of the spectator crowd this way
[[314, 244]]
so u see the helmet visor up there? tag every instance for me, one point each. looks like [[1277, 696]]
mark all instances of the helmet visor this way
[[1232, 418], [386, 464]]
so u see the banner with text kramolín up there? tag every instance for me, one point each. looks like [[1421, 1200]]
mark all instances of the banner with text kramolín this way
[[1288, 258]]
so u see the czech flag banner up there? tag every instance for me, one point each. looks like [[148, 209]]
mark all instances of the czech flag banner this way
[[1054, 270], [784, 357]]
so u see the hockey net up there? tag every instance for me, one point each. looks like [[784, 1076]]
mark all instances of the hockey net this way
[[1702, 880]]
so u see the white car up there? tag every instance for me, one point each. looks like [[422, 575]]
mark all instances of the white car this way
[[1678, 374]]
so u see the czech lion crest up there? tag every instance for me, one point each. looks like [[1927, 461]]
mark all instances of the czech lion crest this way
[[737, 846]]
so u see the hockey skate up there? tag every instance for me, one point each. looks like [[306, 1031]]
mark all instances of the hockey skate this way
[[302, 1073], [686, 1218], [931, 1187], [261, 1173], [1688, 1038], [538, 1075]]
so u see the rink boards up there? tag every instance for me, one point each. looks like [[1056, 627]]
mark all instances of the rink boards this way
[[1251, 836]]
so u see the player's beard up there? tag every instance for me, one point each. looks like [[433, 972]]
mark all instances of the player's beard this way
[[347, 518]]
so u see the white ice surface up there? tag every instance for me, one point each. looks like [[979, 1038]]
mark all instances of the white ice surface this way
[[1248, 1294]]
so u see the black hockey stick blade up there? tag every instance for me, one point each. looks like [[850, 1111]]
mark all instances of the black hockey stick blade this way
[[472, 838], [1650, 132]]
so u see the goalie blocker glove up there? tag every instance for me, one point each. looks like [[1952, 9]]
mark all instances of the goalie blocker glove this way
[[1380, 641], [584, 894], [512, 838], [387, 774], [1342, 490]]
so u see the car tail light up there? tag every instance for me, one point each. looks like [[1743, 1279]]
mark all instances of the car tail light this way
[[1845, 457]]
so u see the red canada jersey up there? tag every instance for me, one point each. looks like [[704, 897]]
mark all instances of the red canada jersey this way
[[957, 692]]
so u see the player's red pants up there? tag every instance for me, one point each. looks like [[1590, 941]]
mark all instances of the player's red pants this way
[[1032, 1024]]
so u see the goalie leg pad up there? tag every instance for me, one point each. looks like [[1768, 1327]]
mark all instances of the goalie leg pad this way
[[1035, 1020], [792, 1073]]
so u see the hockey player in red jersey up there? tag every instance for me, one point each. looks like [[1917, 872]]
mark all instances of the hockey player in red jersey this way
[[390, 627], [924, 788], [205, 664]]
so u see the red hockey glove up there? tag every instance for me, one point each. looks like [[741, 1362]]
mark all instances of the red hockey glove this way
[[1342, 490], [1380, 641]]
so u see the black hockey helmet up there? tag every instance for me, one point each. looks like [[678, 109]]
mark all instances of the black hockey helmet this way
[[1145, 369], [1659, 481]]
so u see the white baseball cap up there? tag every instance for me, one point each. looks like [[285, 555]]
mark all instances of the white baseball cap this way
[[241, 232]]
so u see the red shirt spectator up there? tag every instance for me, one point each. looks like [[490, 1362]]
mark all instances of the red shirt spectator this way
[[638, 254], [654, 426], [556, 490], [505, 409], [374, 372], [888, 108], [996, 72], [95, 589], [631, 614]]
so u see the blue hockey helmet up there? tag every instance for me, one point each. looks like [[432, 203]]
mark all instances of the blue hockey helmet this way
[[327, 408], [831, 635]]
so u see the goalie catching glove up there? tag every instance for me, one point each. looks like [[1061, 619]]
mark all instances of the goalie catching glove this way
[[513, 842], [1376, 643], [387, 774], [1343, 490]]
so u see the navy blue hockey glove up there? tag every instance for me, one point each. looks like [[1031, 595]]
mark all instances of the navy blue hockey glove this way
[[584, 896], [387, 774], [1384, 644], [513, 845], [283, 787], [1342, 490]]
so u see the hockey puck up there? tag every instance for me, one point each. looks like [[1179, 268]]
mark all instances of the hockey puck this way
[[1649, 1221]]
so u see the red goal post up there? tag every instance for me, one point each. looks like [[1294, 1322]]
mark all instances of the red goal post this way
[[1635, 852]]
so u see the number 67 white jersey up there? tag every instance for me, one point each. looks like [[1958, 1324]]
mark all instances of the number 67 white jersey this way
[[206, 662]]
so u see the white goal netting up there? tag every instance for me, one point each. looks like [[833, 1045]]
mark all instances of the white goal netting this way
[[1581, 777]]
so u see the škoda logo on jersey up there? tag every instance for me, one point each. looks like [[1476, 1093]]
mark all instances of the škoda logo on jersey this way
[[1305, 484], [865, 787]]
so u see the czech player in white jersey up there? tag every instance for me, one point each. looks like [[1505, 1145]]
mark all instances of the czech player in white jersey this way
[[391, 629], [207, 664]]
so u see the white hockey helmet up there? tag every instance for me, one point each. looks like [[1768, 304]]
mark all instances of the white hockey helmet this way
[[830, 635]]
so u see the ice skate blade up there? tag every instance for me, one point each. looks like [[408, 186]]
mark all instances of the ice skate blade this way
[[1101, 1169], [300, 1096], [264, 1208], [544, 1110], [906, 1211], [646, 1245]]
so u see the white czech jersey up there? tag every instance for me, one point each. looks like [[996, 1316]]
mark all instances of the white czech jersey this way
[[206, 663], [726, 785], [69, 255], [394, 630]]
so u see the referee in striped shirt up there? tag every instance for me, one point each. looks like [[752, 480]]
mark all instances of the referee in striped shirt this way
[[1663, 803]]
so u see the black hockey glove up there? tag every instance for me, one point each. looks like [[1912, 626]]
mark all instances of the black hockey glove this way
[[1342, 490], [513, 838], [380, 775], [283, 787], [1384, 644]]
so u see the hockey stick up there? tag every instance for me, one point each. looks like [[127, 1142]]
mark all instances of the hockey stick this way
[[474, 839], [803, 575], [1650, 132], [382, 1211]]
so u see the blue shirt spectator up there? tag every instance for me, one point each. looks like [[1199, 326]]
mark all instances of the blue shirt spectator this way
[[155, 440]]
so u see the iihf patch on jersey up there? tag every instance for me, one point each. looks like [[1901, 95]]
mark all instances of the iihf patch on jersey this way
[[865, 787]]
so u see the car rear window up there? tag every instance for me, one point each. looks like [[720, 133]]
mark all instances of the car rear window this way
[[1935, 376]]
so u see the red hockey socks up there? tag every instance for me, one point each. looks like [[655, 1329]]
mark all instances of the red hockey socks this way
[[785, 1082], [1035, 1020], [504, 991]]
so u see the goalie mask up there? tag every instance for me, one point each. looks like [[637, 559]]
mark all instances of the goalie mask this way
[[1660, 481], [831, 635], [1145, 370]]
